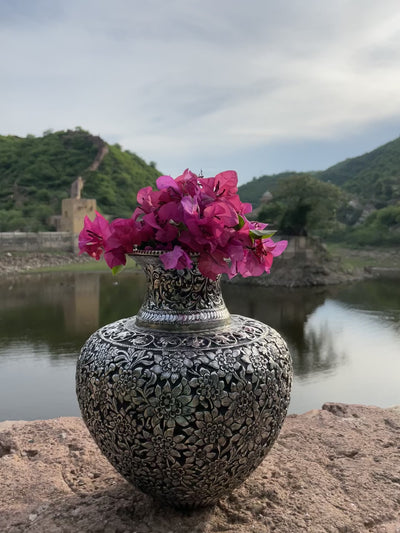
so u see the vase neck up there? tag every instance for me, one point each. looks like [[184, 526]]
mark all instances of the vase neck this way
[[179, 299]]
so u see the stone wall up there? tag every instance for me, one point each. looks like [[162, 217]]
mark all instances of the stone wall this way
[[36, 242]]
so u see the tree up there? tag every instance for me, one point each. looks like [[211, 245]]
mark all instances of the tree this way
[[302, 204]]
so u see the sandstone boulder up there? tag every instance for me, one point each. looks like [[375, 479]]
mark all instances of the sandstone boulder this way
[[332, 470]]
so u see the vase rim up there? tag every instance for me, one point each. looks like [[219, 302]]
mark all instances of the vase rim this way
[[155, 253]]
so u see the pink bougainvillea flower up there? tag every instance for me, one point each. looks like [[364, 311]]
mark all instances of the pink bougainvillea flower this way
[[164, 232], [124, 235], [176, 258], [259, 258], [166, 182], [148, 199], [125, 232], [188, 182], [171, 210], [256, 225], [252, 264], [115, 257], [93, 236], [189, 214], [223, 184], [275, 248], [223, 212], [212, 265]]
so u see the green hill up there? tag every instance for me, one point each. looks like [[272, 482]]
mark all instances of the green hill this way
[[373, 177], [367, 212], [36, 173], [253, 191]]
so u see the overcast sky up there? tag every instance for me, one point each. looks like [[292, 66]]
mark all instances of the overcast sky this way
[[258, 86]]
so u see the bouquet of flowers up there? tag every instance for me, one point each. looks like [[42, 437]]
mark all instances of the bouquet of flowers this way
[[187, 217]]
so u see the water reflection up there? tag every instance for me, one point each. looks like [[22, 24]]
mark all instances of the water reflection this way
[[82, 306], [378, 298], [320, 353], [65, 309], [44, 320], [287, 311]]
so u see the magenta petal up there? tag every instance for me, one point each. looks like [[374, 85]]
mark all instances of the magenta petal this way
[[211, 265], [164, 182], [279, 248], [246, 208], [93, 236], [225, 183], [176, 258], [115, 257], [257, 225], [274, 248], [143, 195]]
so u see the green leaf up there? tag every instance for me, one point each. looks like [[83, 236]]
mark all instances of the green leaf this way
[[241, 222], [117, 269], [261, 233]]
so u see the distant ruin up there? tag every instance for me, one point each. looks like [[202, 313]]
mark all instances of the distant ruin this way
[[76, 188], [74, 210]]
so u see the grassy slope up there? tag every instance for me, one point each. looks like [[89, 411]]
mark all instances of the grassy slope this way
[[36, 173], [374, 176]]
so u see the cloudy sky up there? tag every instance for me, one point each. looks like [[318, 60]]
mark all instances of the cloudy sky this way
[[259, 86]]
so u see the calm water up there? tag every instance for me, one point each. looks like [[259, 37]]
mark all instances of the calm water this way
[[345, 341]]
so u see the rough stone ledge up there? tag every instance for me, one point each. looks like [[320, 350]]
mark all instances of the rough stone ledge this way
[[336, 469]]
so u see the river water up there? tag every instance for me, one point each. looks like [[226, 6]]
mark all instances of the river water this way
[[344, 341]]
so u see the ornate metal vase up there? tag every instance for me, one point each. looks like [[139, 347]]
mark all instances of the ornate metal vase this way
[[184, 399]]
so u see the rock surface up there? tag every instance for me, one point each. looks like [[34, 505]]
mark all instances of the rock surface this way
[[332, 470]]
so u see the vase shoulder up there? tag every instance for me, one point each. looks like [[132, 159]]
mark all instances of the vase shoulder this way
[[239, 331]]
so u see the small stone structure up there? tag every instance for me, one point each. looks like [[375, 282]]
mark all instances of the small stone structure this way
[[77, 187], [74, 210]]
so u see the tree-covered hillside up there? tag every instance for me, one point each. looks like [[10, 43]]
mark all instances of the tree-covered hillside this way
[[367, 212], [373, 177], [116, 182], [253, 191], [36, 173]]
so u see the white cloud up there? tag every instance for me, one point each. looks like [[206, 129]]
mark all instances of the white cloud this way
[[173, 80]]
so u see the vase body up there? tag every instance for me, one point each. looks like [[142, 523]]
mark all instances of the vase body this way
[[184, 399]]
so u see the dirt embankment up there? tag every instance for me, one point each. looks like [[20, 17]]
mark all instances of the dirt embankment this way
[[18, 262], [315, 266]]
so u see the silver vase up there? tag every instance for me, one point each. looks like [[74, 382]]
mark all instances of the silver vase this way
[[184, 399]]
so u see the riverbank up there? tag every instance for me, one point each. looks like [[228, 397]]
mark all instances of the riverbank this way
[[334, 469], [20, 262], [327, 267]]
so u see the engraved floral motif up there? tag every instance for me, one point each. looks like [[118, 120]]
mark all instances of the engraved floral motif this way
[[172, 364], [209, 388], [171, 405]]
